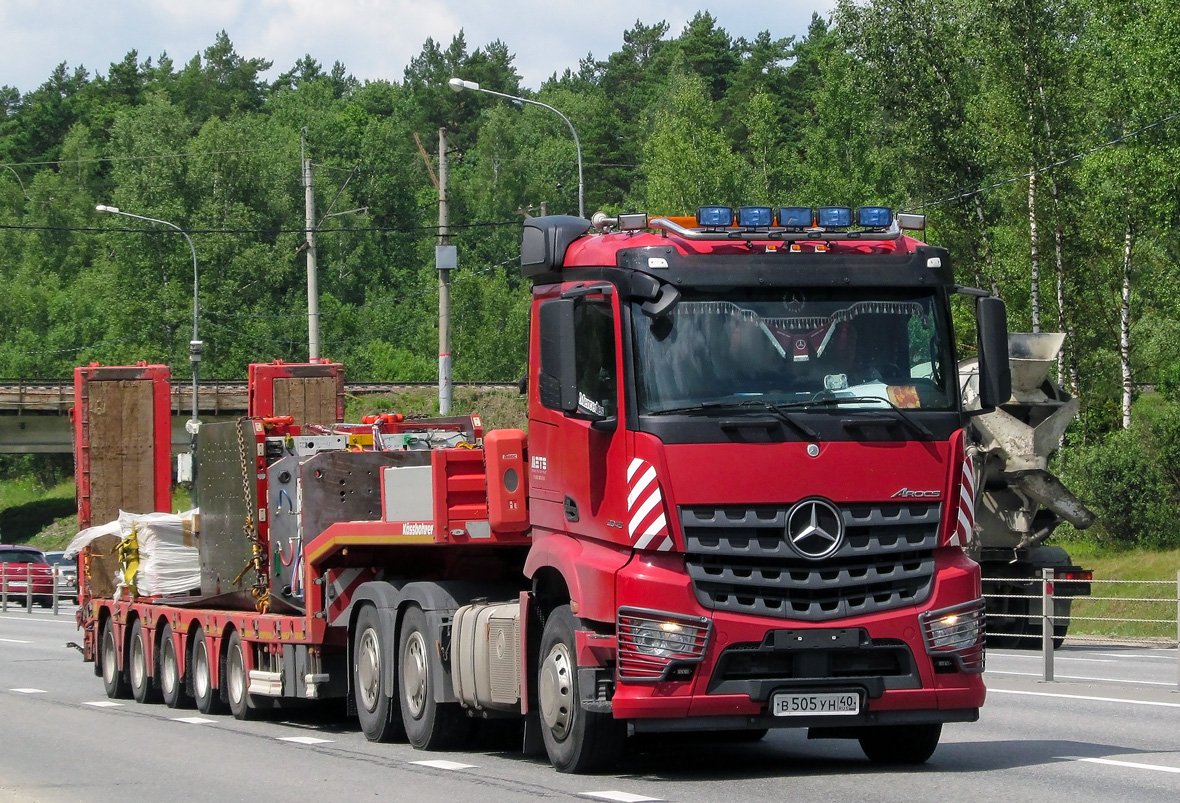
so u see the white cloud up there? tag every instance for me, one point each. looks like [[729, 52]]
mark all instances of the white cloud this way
[[375, 39]]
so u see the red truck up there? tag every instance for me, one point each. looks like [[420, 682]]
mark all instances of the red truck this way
[[742, 504]]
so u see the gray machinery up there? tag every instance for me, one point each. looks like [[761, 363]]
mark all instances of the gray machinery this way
[[1019, 503]]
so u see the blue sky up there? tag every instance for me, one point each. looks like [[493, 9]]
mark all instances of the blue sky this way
[[375, 39]]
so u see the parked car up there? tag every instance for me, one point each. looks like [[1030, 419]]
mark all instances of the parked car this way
[[66, 572], [23, 566]]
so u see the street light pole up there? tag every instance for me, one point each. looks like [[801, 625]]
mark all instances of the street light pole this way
[[194, 346], [458, 85]]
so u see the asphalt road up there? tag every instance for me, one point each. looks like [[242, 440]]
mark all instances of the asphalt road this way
[[1107, 730]]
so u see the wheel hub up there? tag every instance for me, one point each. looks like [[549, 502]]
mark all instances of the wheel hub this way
[[368, 670], [414, 674], [556, 691]]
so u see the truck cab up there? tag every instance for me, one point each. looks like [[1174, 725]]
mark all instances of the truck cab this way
[[748, 476]]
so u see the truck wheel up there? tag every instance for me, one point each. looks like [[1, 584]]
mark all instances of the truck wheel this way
[[114, 681], [143, 689], [376, 707], [576, 740], [201, 674], [168, 672], [242, 704], [900, 744], [430, 725]]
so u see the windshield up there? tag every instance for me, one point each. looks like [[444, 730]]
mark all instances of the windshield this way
[[759, 346], [21, 556]]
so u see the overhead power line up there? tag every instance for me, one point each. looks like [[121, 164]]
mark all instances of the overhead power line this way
[[1059, 163]]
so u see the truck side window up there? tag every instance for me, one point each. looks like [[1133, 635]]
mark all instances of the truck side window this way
[[594, 339]]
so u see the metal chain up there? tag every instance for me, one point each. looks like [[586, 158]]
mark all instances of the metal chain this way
[[257, 562]]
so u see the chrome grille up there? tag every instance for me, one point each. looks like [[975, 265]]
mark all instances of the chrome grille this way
[[739, 560]]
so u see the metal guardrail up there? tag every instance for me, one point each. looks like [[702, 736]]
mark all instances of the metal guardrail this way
[[1042, 625], [27, 592]]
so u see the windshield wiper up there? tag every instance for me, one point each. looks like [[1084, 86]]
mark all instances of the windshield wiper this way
[[748, 404], [836, 401]]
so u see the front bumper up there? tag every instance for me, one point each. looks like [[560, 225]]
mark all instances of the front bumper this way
[[882, 657]]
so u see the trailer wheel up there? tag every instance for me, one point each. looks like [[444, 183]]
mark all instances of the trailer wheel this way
[[201, 674], [576, 740], [242, 704], [143, 688], [168, 672], [114, 681], [377, 707], [430, 725], [900, 744]]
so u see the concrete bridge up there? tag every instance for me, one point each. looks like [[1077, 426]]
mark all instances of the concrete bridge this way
[[34, 414]]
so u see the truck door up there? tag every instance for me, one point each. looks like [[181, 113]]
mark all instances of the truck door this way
[[577, 455]]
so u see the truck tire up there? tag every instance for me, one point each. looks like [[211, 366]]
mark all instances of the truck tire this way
[[236, 684], [113, 680], [900, 744], [201, 675], [576, 740], [172, 688], [430, 725], [377, 707], [143, 688]]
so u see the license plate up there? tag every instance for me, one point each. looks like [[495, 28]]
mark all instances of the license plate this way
[[828, 704]]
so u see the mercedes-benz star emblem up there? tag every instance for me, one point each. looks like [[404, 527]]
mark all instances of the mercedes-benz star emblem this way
[[815, 528]]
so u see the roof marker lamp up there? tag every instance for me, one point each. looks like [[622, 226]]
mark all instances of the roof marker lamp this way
[[874, 217], [835, 217], [714, 217], [795, 217], [755, 217]]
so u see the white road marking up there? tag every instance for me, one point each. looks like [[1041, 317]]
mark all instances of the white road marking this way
[[622, 797], [440, 764], [1139, 656], [28, 691], [67, 619], [1134, 765], [1036, 656], [1084, 697], [1082, 677], [193, 720], [105, 704], [303, 740], [14, 641]]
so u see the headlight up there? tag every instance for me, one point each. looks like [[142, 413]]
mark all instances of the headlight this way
[[650, 641], [956, 632]]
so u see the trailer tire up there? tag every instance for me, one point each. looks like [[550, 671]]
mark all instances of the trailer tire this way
[[377, 707], [113, 680], [172, 688], [430, 725], [143, 687], [201, 675], [577, 741], [900, 744], [236, 683]]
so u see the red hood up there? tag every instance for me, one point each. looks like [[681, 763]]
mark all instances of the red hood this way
[[778, 473]]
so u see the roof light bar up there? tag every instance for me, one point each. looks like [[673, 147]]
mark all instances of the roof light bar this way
[[796, 217], [911, 222], [874, 217], [712, 217], [834, 217], [754, 217]]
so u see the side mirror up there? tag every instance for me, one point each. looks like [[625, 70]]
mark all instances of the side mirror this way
[[558, 380], [995, 372]]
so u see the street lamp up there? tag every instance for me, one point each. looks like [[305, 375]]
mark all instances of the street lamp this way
[[458, 85], [194, 345]]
